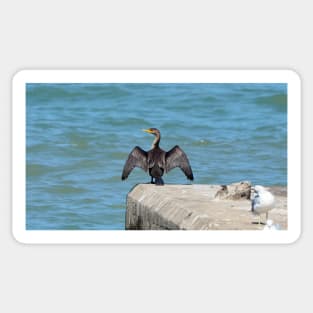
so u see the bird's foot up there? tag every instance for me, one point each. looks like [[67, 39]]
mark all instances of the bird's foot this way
[[258, 222]]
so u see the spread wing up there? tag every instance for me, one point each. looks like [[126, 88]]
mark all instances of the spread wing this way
[[137, 158], [176, 157]]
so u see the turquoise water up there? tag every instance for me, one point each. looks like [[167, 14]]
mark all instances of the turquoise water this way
[[79, 136]]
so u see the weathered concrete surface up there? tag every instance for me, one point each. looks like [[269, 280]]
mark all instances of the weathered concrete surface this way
[[195, 207]]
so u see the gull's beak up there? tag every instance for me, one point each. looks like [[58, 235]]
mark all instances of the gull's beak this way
[[147, 131]]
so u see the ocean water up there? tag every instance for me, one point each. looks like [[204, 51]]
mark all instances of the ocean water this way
[[79, 136]]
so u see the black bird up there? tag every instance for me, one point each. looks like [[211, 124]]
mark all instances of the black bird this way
[[156, 160]]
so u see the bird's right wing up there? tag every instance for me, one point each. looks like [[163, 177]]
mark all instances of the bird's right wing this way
[[137, 158], [176, 157]]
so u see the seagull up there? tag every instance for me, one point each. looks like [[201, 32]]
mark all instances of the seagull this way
[[262, 202]]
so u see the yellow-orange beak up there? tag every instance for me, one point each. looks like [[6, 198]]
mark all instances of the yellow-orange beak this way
[[147, 131]]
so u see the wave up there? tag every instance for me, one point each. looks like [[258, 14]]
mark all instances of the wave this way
[[74, 92], [65, 189], [38, 169], [274, 99]]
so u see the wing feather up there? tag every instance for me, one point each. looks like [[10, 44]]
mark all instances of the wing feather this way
[[176, 157], [137, 158], [255, 202]]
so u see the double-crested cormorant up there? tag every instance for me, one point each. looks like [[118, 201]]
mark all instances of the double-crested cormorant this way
[[156, 160]]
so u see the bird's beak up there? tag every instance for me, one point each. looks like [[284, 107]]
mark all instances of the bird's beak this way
[[147, 131]]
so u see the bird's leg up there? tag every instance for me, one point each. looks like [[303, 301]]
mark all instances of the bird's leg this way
[[152, 182], [259, 219], [266, 217], [159, 181]]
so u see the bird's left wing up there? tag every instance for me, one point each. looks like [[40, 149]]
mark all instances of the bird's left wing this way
[[137, 158], [176, 157]]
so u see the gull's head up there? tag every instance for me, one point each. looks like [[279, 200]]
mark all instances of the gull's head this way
[[258, 188]]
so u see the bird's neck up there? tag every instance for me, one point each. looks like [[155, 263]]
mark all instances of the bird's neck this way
[[156, 141]]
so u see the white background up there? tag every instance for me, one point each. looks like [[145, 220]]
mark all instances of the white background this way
[[155, 34]]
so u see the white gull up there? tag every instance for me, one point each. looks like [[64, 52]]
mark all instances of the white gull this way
[[262, 202]]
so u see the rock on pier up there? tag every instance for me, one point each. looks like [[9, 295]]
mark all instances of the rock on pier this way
[[199, 207]]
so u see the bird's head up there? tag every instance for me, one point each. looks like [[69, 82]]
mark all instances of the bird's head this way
[[257, 188], [153, 131]]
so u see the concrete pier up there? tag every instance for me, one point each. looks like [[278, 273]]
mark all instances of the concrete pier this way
[[198, 207]]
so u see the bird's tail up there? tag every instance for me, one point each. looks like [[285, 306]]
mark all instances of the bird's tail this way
[[159, 181]]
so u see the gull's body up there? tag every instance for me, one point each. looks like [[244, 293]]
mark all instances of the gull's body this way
[[262, 202]]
